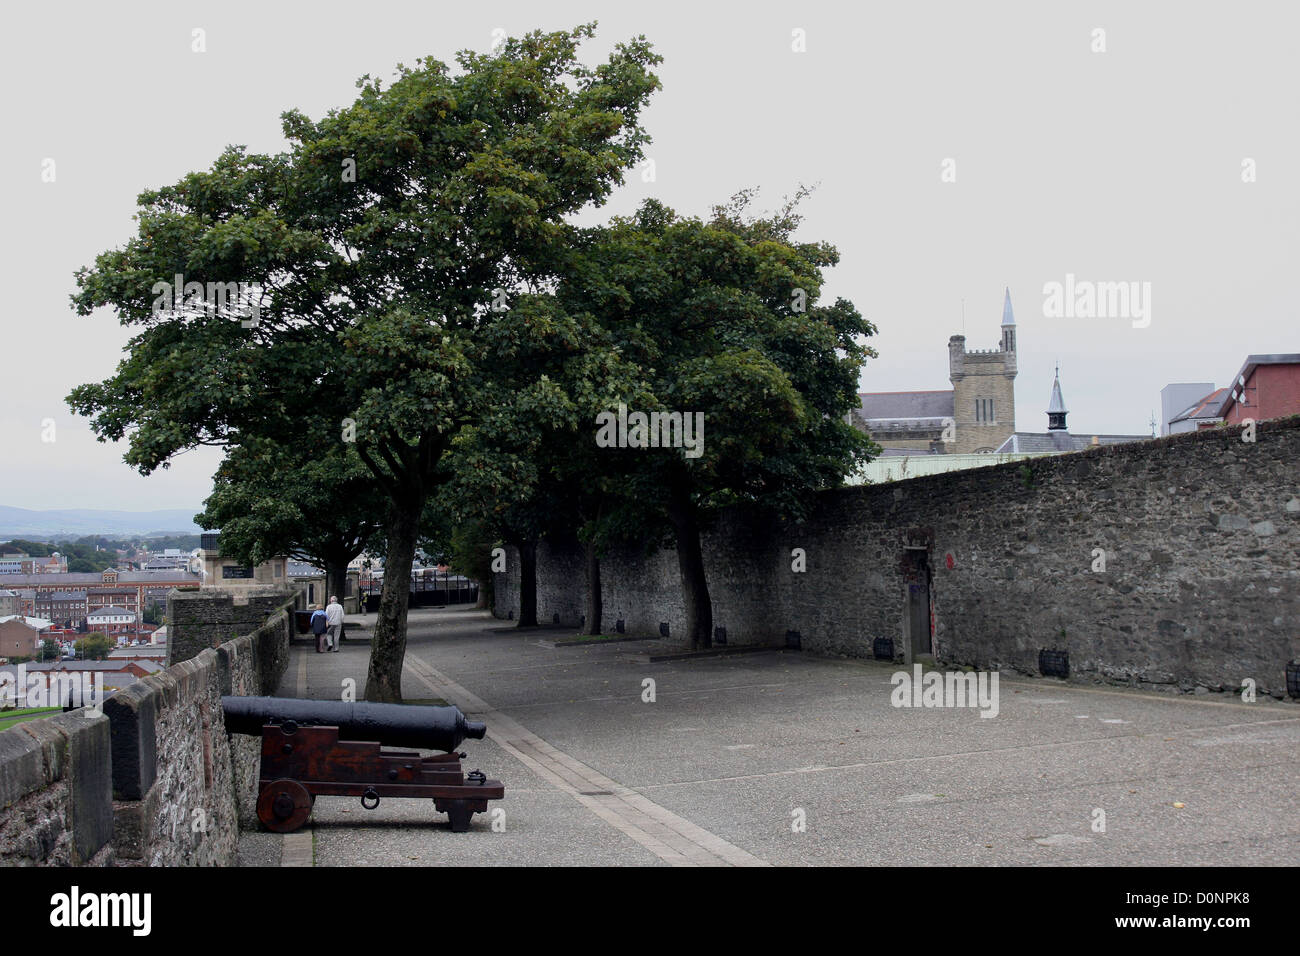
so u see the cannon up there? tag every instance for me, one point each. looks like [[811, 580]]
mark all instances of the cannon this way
[[313, 747]]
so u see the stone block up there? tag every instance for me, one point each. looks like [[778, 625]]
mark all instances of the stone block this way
[[132, 718], [133, 825], [23, 767], [89, 775]]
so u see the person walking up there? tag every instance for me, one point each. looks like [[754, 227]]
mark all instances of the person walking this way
[[334, 620], [319, 625]]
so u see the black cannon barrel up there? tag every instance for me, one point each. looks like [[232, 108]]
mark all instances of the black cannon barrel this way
[[395, 725]]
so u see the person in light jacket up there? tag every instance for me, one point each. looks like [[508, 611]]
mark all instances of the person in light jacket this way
[[334, 618]]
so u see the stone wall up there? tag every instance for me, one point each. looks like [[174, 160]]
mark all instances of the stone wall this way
[[155, 780], [205, 618], [1200, 536]]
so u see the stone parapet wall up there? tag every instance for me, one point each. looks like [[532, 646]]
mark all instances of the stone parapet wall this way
[[155, 780], [1200, 535]]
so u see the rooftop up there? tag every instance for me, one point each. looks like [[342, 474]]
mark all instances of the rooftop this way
[[1060, 441], [897, 406]]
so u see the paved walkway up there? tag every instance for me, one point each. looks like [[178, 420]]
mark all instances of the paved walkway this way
[[782, 758]]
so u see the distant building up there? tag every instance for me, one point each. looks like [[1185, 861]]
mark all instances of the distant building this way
[[226, 573], [1180, 415], [22, 636], [64, 608], [1057, 438], [111, 621], [128, 598], [1267, 386], [977, 415], [139, 652], [110, 675], [101, 588], [10, 603]]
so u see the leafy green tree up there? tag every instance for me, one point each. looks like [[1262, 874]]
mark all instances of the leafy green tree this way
[[723, 317], [36, 549], [470, 552], [49, 649], [95, 646], [521, 470], [376, 252], [313, 500]]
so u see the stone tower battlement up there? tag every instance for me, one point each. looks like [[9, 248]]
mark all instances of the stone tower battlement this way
[[983, 381]]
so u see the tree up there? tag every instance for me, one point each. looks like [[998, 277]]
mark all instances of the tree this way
[[95, 646], [312, 500], [374, 257], [723, 318], [521, 470], [470, 550], [49, 649]]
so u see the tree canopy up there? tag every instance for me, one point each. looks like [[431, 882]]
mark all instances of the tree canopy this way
[[365, 264]]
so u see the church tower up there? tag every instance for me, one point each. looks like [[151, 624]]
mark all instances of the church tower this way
[[984, 392]]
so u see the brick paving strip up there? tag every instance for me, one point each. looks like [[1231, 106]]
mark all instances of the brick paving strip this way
[[672, 838]]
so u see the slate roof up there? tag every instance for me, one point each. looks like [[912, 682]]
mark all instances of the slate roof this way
[[39, 623], [1060, 441], [110, 611], [97, 577], [897, 406], [1208, 407], [1057, 404], [61, 596]]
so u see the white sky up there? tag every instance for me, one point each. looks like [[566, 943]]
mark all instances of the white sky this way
[[1115, 166]]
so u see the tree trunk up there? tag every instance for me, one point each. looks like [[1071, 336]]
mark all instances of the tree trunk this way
[[690, 563], [388, 647], [336, 579], [595, 605], [527, 583]]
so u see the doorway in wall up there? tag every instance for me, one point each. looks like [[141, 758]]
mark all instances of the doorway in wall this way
[[920, 622]]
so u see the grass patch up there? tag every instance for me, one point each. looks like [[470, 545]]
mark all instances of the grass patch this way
[[426, 701], [13, 717], [24, 711]]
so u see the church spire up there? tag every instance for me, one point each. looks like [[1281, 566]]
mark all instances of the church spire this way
[[1008, 324], [1056, 408]]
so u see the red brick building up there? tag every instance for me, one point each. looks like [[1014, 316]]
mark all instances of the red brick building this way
[[21, 637], [1268, 386]]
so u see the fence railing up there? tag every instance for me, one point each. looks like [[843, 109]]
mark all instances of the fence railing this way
[[434, 590]]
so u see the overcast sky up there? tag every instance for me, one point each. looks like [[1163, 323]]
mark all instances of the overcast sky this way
[[1122, 165]]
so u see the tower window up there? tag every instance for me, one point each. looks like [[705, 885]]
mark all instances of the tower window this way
[[984, 410]]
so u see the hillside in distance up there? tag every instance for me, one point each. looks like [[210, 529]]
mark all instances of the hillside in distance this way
[[24, 523]]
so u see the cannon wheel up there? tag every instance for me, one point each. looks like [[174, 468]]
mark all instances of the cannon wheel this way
[[459, 813], [284, 806]]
